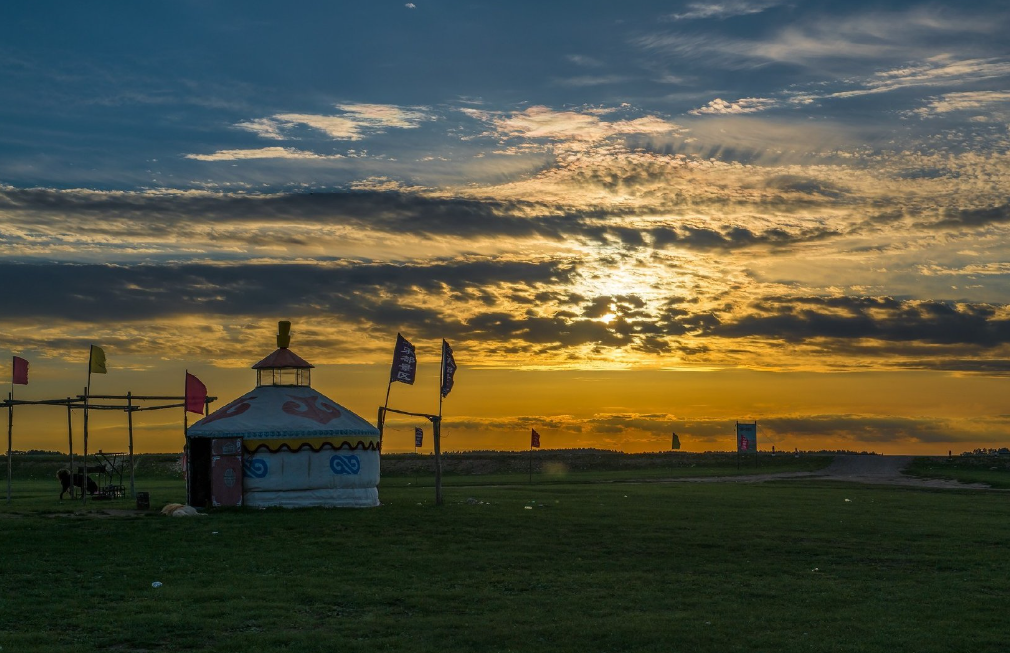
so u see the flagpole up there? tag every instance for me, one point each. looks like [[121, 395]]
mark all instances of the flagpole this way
[[129, 423], [87, 393], [70, 442], [10, 430], [531, 459], [436, 433], [382, 414], [185, 406], [441, 380]]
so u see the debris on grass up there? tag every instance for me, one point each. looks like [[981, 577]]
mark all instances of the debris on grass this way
[[156, 584]]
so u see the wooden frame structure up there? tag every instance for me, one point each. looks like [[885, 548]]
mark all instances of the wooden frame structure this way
[[83, 402], [436, 435]]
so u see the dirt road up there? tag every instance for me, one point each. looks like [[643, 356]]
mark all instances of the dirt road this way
[[875, 470]]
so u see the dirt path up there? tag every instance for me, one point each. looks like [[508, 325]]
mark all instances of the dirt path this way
[[874, 470]]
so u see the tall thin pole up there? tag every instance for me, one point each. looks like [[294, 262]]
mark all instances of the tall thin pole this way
[[129, 422], [382, 413], [87, 392], [10, 430], [531, 461], [436, 432], [70, 443], [185, 439], [84, 467]]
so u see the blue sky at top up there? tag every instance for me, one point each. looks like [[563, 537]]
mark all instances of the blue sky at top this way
[[115, 95]]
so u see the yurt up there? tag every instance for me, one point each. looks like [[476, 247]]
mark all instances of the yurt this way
[[282, 444]]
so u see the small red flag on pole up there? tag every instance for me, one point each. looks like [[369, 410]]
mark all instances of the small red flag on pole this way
[[534, 439], [20, 371], [196, 394]]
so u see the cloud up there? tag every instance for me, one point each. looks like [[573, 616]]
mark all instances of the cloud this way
[[965, 101], [263, 153], [724, 9], [410, 5], [541, 122], [357, 121], [743, 105], [974, 269], [593, 80], [357, 292], [826, 42], [971, 217], [798, 319], [936, 72]]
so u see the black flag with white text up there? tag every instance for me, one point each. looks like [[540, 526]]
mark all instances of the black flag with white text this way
[[404, 362]]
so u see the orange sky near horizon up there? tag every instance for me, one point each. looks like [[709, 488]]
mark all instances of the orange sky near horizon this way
[[919, 412]]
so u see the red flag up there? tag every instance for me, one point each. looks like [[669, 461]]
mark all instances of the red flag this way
[[20, 371], [196, 394], [535, 439]]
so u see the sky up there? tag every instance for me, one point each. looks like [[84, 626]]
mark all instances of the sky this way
[[628, 219]]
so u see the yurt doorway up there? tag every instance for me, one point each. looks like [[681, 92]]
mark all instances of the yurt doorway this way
[[199, 472], [215, 472]]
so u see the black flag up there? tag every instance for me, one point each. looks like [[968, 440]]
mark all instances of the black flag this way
[[448, 368], [418, 436], [404, 362]]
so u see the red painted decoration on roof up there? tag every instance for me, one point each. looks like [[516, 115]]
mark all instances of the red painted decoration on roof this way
[[306, 407]]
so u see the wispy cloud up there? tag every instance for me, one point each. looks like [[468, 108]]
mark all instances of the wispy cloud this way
[[356, 121], [967, 101], [974, 269], [878, 36], [743, 105], [593, 80], [263, 153], [724, 9], [542, 122]]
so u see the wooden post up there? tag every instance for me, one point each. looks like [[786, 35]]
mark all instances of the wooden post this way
[[436, 429], [10, 431], [70, 442], [531, 461], [437, 432], [129, 422], [84, 470]]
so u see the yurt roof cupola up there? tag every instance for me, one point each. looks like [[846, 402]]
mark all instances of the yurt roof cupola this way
[[283, 367]]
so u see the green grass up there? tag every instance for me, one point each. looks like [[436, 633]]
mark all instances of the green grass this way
[[789, 566], [992, 470], [565, 467]]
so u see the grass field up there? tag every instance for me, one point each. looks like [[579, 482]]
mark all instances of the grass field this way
[[992, 470], [580, 566]]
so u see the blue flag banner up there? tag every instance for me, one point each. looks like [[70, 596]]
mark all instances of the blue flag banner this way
[[448, 368], [418, 436], [404, 362]]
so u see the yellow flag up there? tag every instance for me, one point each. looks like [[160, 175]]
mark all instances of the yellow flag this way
[[98, 360]]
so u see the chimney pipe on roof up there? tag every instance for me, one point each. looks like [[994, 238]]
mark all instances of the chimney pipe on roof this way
[[283, 334]]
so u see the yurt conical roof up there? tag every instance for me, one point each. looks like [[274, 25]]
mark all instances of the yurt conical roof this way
[[284, 406]]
